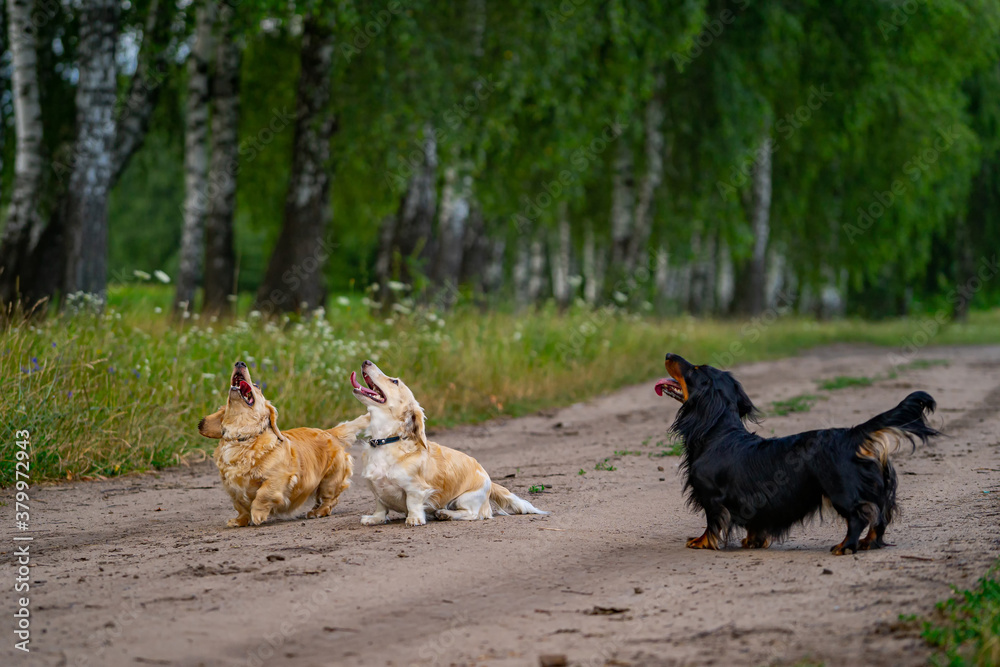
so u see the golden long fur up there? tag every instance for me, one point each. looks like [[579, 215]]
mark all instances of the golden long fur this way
[[414, 475], [268, 471]]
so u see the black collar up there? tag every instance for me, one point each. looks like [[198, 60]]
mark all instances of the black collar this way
[[384, 441]]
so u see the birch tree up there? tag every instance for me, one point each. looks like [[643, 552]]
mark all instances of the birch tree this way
[[294, 277], [195, 209], [220, 257], [23, 215], [86, 213]]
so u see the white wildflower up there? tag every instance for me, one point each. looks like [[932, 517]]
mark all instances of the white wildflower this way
[[161, 276]]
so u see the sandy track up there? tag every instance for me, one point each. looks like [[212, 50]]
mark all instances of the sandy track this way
[[142, 570]]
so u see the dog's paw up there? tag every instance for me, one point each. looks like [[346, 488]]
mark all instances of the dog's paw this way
[[706, 541], [842, 549], [413, 520], [319, 513], [373, 520], [238, 522], [258, 516]]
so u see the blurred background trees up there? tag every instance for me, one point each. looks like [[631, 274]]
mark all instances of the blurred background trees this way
[[703, 156]]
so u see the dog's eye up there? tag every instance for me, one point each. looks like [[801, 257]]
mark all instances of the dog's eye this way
[[395, 381]]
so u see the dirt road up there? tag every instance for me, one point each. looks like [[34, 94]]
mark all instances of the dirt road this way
[[142, 570]]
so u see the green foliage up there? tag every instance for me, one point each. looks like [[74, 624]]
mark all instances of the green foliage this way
[[844, 381], [605, 465], [966, 628], [885, 121], [536, 488], [800, 403], [922, 364]]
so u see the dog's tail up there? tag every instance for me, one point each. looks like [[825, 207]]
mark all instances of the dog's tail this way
[[508, 503], [881, 435], [348, 431]]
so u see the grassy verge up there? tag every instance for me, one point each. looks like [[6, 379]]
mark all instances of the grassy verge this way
[[106, 394], [966, 628]]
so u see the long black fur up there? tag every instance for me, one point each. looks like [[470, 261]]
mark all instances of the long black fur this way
[[768, 485]]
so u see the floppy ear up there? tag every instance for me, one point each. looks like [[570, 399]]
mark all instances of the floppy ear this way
[[211, 426], [413, 425], [272, 421], [748, 411]]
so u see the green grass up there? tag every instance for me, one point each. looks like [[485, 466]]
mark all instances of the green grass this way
[[922, 364], [627, 452], [800, 403], [672, 447], [844, 381], [122, 391], [536, 488], [966, 628], [605, 465]]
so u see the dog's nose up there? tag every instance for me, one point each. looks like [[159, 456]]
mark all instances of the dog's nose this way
[[240, 364], [367, 363], [671, 355]]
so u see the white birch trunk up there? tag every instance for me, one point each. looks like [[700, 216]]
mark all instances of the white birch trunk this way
[[536, 277], [725, 285], [622, 204], [591, 284], [560, 258], [455, 210], [86, 212], [195, 207], [760, 223], [220, 259], [23, 217], [522, 272], [651, 179]]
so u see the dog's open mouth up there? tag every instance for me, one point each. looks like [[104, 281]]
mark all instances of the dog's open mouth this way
[[239, 383], [670, 387], [371, 391]]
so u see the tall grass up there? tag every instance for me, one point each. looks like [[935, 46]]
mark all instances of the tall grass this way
[[113, 392]]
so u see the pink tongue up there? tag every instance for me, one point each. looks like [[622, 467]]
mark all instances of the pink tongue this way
[[244, 387], [660, 384], [354, 380]]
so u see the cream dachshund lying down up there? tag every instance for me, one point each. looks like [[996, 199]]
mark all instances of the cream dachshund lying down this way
[[267, 471], [411, 475]]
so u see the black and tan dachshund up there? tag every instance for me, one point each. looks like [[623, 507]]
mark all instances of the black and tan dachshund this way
[[768, 485]]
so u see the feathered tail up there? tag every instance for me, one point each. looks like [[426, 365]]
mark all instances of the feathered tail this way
[[508, 503], [881, 435]]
